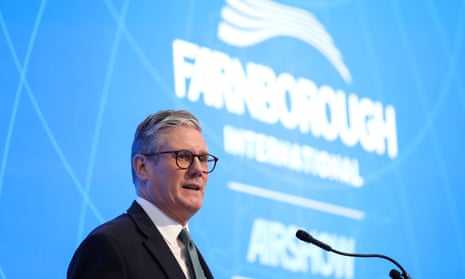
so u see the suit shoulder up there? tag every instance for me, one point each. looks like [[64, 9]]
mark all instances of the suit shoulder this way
[[122, 223]]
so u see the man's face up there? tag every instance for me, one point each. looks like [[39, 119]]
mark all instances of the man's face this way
[[177, 192]]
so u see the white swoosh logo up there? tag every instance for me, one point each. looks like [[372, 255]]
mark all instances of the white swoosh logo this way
[[249, 22]]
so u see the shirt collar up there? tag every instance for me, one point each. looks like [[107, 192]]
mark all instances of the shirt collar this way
[[169, 228]]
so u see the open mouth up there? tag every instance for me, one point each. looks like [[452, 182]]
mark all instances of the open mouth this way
[[191, 187]]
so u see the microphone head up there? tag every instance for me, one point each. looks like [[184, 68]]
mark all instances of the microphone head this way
[[304, 236], [394, 274]]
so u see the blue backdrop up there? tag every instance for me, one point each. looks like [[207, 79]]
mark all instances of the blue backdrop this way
[[344, 118]]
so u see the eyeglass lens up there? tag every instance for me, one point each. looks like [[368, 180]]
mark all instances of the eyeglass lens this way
[[185, 158]]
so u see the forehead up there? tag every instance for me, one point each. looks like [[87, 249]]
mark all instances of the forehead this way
[[183, 137]]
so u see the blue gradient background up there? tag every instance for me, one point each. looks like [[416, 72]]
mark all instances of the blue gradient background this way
[[76, 77]]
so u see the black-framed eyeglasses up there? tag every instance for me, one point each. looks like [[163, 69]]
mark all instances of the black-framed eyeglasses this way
[[185, 158]]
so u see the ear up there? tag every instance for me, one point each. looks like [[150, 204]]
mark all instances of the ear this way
[[140, 166]]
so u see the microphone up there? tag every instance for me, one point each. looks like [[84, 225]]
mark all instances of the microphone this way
[[394, 274]]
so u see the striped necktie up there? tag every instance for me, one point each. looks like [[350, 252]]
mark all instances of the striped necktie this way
[[195, 269]]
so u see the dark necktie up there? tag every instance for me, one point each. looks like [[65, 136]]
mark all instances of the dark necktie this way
[[195, 269]]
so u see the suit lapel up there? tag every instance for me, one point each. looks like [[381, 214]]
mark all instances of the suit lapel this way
[[160, 250], [155, 243]]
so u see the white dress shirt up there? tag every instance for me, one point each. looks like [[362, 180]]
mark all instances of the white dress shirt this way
[[169, 229]]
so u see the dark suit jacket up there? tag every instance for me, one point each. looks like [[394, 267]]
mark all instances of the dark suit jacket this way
[[129, 246]]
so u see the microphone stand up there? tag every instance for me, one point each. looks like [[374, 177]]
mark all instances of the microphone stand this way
[[394, 274]]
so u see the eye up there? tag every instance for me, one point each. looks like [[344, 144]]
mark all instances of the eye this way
[[185, 156], [203, 158]]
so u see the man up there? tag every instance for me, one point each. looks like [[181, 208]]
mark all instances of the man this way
[[170, 167]]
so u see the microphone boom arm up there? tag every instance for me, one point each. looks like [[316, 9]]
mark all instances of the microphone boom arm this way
[[394, 274]]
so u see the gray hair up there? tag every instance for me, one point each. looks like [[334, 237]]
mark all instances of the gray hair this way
[[147, 135]]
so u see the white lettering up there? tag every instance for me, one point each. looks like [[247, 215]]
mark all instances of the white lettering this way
[[182, 53], [274, 244], [270, 150], [222, 82]]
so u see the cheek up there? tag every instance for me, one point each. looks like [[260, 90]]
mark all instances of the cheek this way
[[161, 181], [171, 181]]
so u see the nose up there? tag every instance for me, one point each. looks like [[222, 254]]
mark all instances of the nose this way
[[196, 168]]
